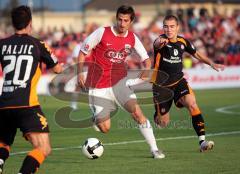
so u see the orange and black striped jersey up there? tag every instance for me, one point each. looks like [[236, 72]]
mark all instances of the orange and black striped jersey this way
[[21, 57], [168, 59]]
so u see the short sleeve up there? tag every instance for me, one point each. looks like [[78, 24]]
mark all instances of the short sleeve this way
[[92, 40], [47, 56], [76, 50], [140, 49], [190, 48]]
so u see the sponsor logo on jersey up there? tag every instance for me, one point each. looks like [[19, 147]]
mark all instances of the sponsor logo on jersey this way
[[86, 47], [127, 49], [175, 52], [117, 56], [182, 46]]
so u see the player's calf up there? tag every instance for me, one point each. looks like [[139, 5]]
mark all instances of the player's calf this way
[[134, 109], [35, 158], [103, 129], [139, 117], [103, 125], [161, 120]]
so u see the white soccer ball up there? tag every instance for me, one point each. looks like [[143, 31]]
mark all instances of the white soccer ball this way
[[92, 148]]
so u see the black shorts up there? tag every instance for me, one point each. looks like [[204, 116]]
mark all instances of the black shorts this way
[[27, 119], [179, 90]]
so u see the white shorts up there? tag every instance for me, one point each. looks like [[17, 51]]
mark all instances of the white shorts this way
[[103, 101]]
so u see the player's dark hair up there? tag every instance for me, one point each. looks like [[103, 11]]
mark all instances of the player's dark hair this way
[[171, 17], [125, 9], [21, 16]]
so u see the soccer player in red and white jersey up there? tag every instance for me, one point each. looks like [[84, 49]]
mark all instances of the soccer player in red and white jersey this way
[[109, 47]]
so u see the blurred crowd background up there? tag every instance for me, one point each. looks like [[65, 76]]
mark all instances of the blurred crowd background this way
[[215, 35]]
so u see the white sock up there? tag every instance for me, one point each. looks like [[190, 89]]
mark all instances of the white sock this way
[[74, 105], [1, 163], [96, 128], [147, 132], [201, 138]]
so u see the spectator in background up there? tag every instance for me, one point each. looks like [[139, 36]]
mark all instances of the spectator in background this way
[[217, 28]]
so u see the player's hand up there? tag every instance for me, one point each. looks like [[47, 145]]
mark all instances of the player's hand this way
[[217, 67], [81, 81], [145, 75], [160, 42]]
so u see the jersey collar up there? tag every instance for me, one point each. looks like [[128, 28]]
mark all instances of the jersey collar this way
[[115, 34]]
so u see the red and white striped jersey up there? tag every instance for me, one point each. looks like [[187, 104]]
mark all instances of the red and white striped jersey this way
[[109, 52]]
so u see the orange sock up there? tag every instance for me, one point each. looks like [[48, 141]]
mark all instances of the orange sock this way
[[195, 112], [32, 161], [38, 155]]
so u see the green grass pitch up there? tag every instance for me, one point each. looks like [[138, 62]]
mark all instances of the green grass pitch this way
[[133, 157]]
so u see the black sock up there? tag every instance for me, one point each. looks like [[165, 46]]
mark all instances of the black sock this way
[[198, 125], [200, 142], [29, 166], [4, 153]]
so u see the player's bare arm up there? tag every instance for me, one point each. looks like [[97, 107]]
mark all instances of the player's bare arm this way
[[81, 60], [147, 66], [57, 69], [206, 60]]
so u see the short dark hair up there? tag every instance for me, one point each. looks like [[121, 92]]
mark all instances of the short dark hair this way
[[171, 17], [21, 16], [125, 9]]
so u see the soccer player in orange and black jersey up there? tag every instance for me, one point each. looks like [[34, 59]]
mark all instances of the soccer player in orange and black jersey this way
[[169, 59], [168, 54], [21, 57]]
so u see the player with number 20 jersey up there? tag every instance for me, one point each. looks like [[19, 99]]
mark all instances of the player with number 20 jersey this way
[[21, 57]]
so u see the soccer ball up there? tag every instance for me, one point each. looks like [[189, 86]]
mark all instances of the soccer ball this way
[[92, 148]]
